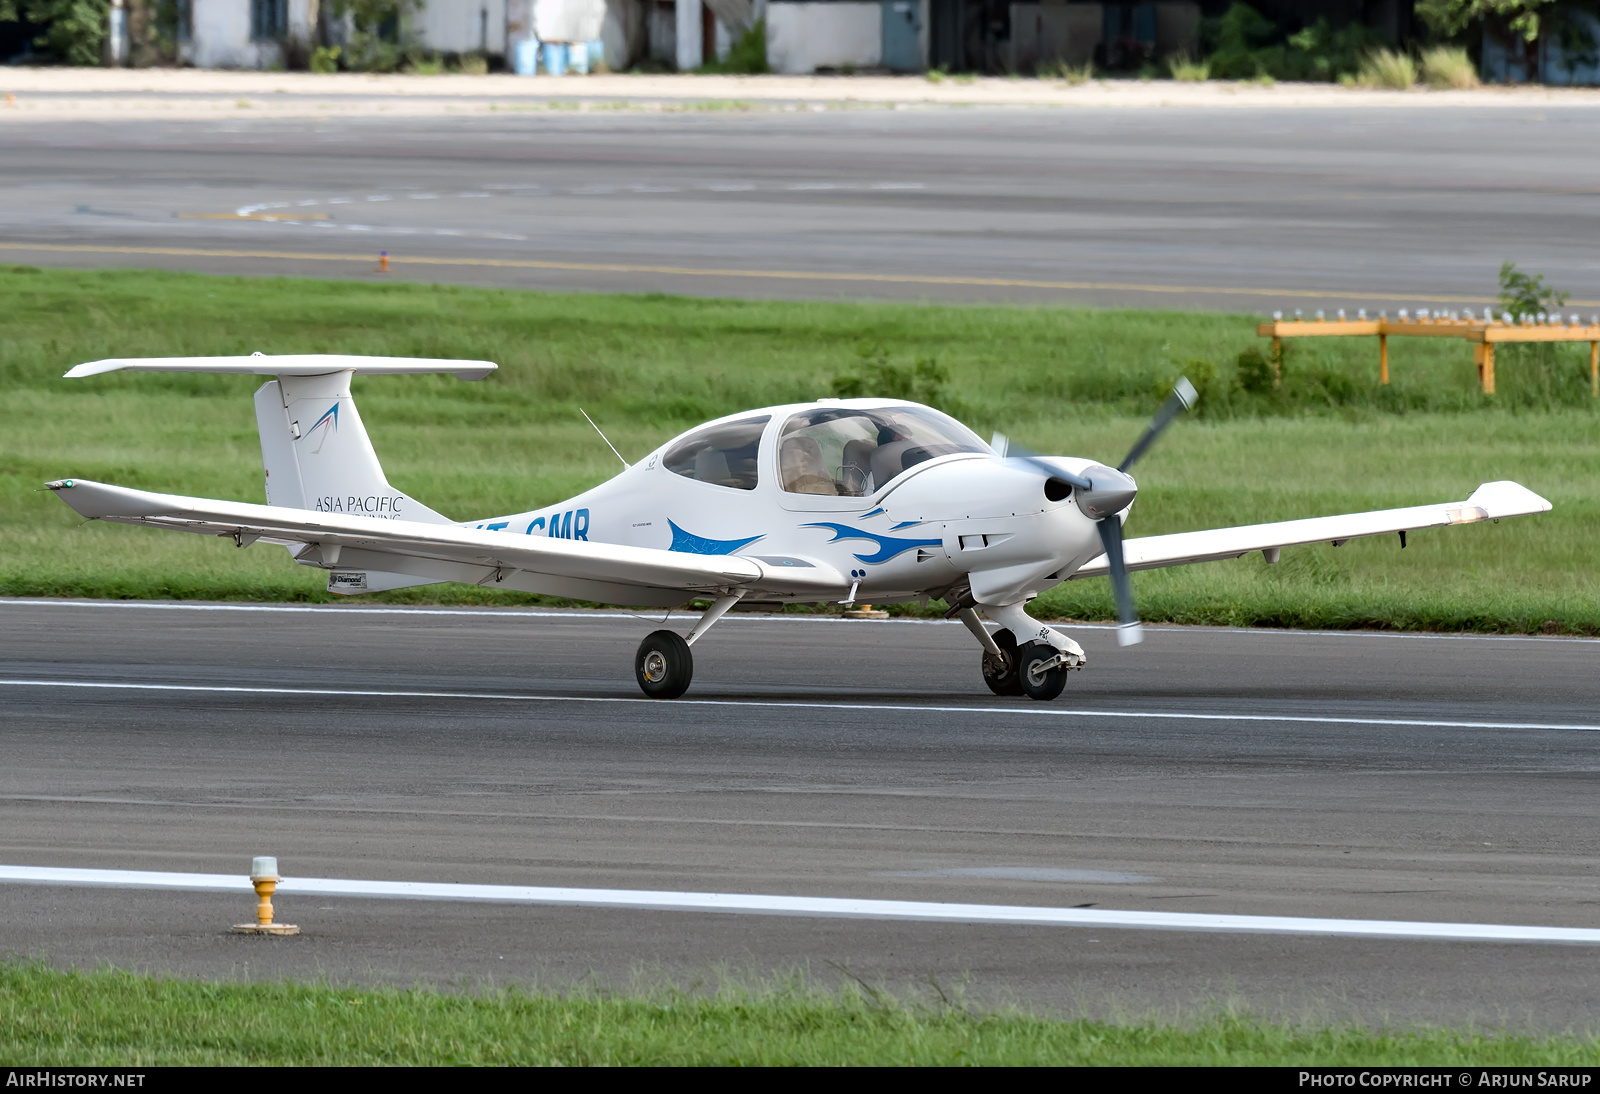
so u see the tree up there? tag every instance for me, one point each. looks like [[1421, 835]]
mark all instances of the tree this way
[[75, 30], [1520, 23]]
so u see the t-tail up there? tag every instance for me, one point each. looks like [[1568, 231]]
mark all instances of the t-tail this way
[[314, 448], [317, 454]]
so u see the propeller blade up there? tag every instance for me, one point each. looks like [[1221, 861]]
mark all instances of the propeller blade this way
[[1007, 449], [1182, 398], [1129, 632]]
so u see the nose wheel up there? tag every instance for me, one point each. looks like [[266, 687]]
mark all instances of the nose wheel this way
[[664, 666], [1040, 673], [1000, 673]]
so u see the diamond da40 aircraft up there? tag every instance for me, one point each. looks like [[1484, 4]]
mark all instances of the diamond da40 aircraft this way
[[832, 501]]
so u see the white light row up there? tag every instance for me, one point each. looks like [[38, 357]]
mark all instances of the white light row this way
[[1423, 314]]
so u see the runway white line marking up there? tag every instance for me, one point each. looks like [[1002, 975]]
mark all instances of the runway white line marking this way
[[806, 906], [924, 708], [751, 617]]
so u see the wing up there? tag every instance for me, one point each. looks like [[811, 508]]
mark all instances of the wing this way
[[1491, 501], [592, 571]]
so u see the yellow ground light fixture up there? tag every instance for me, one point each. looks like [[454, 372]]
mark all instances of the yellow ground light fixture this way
[[264, 876], [1484, 333]]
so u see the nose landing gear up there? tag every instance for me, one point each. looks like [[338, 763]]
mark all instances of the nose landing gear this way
[[1036, 668], [1041, 673]]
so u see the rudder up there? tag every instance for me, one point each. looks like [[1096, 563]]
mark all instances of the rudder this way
[[317, 454]]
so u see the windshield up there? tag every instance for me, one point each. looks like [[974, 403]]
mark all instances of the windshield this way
[[846, 452]]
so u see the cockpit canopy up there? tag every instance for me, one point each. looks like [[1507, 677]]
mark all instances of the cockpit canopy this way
[[850, 452]]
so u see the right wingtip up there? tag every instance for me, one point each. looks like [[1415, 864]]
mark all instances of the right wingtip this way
[[1508, 499]]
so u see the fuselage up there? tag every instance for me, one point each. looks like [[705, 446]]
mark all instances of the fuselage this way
[[901, 500]]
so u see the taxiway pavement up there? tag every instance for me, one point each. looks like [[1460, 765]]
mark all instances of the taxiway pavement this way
[[1251, 208], [1345, 775]]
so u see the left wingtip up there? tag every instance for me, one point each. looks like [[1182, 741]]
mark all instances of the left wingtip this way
[[1507, 499]]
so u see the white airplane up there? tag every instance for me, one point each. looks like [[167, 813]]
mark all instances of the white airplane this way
[[837, 500]]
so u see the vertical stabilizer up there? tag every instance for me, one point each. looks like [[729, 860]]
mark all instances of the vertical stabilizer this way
[[317, 454]]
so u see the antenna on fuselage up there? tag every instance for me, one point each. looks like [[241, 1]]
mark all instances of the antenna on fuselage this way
[[603, 437]]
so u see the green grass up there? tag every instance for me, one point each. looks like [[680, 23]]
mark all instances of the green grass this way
[[113, 1018], [1078, 381]]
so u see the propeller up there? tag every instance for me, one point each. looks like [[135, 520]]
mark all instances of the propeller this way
[[1103, 492]]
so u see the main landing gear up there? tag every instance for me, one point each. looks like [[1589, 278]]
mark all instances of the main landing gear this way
[[1036, 668], [663, 665]]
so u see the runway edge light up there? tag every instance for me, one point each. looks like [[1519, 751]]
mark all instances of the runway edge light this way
[[264, 877]]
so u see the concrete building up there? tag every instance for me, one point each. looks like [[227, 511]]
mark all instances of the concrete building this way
[[244, 33]]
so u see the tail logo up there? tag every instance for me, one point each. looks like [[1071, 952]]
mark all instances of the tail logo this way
[[330, 420]]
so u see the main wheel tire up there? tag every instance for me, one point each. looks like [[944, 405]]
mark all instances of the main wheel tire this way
[[664, 666], [1037, 683], [1001, 674]]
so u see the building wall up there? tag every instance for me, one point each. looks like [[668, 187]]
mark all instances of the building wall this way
[[221, 34], [623, 34], [803, 37], [460, 26]]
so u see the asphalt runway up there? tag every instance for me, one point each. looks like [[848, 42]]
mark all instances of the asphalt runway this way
[[1240, 208], [1245, 772]]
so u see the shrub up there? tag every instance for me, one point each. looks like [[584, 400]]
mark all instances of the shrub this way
[[1186, 71], [879, 378], [1445, 67], [746, 57], [1524, 295], [375, 43], [420, 62], [1248, 46], [1074, 76], [1387, 68], [325, 59], [1254, 373]]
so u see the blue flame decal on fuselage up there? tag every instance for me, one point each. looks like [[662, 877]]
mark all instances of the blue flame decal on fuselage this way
[[700, 545], [888, 546]]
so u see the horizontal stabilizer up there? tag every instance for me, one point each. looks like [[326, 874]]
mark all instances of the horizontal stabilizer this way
[[287, 364], [1491, 501]]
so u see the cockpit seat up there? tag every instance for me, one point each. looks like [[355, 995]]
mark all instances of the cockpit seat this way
[[711, 465], [888, 460], [800, 461], [856, 471]]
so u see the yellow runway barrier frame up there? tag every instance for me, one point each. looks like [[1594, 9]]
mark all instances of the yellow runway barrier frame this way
[[1484, 335]]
